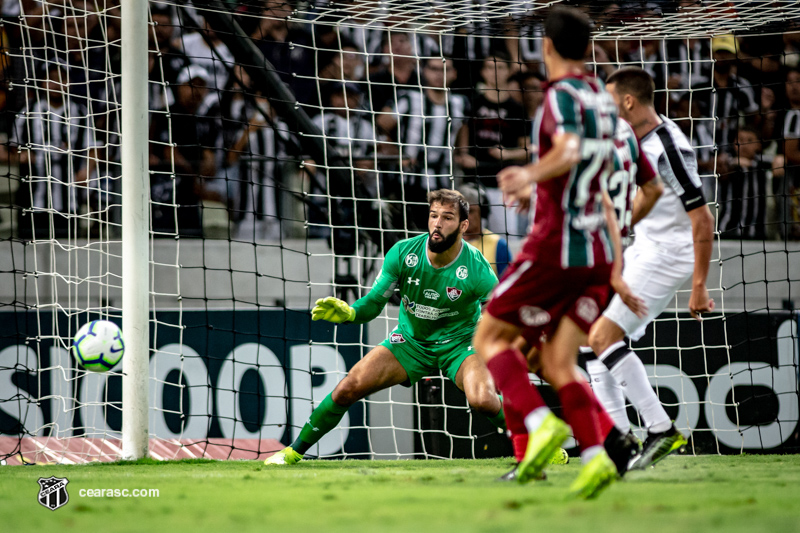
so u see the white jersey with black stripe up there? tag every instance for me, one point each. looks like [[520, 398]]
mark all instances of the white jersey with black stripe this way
[[668, 225]]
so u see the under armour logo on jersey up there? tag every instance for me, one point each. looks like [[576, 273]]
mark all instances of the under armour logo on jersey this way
[[415, 281]]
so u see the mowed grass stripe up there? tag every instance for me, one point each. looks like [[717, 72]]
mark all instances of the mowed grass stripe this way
[[707, 493]]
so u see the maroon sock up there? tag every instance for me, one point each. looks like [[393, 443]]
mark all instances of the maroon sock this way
[[515, 422], [510, 373], [580, 413], [520, 443], [516, 427]]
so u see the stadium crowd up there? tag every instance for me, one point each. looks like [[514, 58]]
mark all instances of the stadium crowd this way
[[408, 112]]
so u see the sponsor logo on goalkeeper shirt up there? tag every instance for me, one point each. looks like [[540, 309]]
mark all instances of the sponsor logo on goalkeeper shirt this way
[[426, 312], [412, 260], [453, 293], [396, 338], [431, 294], [461, 272]]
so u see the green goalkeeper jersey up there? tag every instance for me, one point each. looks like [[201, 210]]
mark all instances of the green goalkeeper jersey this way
[[440, 305]]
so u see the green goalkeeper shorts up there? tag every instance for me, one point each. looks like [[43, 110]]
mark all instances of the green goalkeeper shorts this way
[[419, 363]]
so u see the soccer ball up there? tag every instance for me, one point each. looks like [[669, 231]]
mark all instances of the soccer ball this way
[[98, 345]]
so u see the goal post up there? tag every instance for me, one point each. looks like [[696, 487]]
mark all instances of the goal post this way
[[135, 229]]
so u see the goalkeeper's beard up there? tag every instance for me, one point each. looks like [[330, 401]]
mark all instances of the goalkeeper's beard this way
[[443, 245]]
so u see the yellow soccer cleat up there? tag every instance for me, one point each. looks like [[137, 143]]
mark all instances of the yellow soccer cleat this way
[[594, 477], [658, 446], [543, 444], [286, 456]]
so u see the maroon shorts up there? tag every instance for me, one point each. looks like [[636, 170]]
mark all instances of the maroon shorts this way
[[534, 296]]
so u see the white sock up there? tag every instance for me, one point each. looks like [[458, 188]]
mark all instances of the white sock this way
[[535, 418], [609, 393], [590, 453], [630, 374]]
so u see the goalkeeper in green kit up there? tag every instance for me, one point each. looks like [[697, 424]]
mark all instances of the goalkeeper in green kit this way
[[442, 282]]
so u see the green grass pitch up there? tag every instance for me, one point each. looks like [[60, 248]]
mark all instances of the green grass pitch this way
[[707, 493]]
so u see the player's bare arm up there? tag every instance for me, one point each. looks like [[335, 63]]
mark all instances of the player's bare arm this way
[[633, 302], [703, 236], [565, 154], [646, 197]]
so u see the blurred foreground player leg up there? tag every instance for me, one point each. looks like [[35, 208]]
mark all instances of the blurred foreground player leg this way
[[442, 282], [621, 448], [673, 243], [560, 279], [634, 189]]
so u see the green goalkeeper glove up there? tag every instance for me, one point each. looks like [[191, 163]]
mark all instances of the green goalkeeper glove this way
[[333, 310]]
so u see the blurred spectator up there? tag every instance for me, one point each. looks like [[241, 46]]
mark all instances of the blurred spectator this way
[[698, 129], [204, 48], [286, 46], [525, 46], [399, 71], [531, 93], [787, 182], [743, 191], [186, 139], [688, 64], [497, 137], [344, 124], [342, 63], [426, 124], [253, 162], [86, 63], [791, 50], [364, 32], [651, 55], [768, 122], [598, 63], [760, 59], [493, 247], [170, 59], [728, 100], [55, 143]]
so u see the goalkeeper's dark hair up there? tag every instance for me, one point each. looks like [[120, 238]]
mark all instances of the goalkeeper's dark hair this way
[[634, 81], [450, 197], [569, 29]]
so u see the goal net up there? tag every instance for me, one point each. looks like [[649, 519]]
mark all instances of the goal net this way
[[291, 145]]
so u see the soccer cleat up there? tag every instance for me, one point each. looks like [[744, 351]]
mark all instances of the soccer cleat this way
[[286, 456], [656, 447], [594, 477], [511, 475], [561, 457], [622, 449], [543, 444]]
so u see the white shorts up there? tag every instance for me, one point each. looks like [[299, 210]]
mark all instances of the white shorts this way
[[655, 275]]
